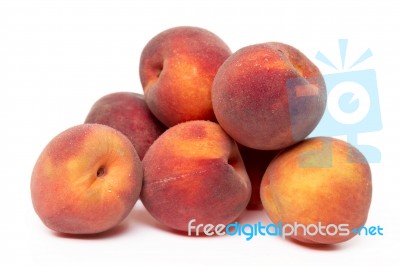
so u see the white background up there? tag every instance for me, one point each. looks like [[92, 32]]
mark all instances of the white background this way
[[58, 57]]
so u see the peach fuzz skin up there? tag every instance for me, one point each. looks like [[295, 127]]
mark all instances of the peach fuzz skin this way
[[128, 113], [251, 93], [86, 180], [318, 180], [194, 171], [177, 68]]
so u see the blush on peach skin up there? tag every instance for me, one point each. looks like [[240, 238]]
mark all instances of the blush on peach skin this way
[[252, 101], [128, 113]]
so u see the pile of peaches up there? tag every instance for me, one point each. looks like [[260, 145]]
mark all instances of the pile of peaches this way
[[214, 133]]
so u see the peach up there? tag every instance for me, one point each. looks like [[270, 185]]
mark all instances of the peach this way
[[268, 96], [86, 180], [319, 182], [256, 163], [128, 113], [177, 68], [194, 171]]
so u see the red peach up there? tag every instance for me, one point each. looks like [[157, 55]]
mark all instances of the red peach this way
[[177, 68], [194, 171], [86, 180], [128, 113], [268, 96]]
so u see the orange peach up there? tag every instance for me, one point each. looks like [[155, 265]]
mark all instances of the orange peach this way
[[128, 113], [194, 171], [320, 182], [86, 180], [268, 96], [256, 162], [177, 68]]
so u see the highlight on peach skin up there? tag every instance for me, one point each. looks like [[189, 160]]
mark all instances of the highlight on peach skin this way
[[251, 100], [194, 171], [128, 113], [320, 180], [86, 180], [177, 68]]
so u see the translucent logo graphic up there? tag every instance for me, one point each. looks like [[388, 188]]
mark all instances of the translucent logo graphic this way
[[352, 102], [280, 230]]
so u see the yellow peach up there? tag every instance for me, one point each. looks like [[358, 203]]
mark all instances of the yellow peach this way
[[320, 181]]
